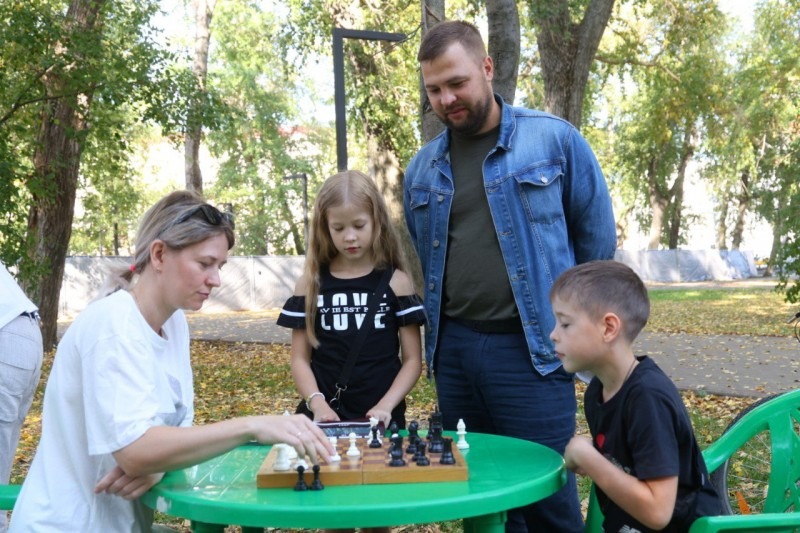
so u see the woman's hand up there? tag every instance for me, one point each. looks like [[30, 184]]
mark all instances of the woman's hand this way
[[118, 483]]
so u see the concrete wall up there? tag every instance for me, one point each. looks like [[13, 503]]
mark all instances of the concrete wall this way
[[251, 283], [248, 282]]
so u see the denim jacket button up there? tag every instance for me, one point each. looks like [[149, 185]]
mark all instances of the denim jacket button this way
[[430, 286], [440, 198], [436, 243], [544, 179]]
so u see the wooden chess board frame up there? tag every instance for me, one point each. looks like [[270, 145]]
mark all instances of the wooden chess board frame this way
[[371, 467]]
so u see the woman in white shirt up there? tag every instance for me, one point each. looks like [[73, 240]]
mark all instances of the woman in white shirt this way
[[118, 405]]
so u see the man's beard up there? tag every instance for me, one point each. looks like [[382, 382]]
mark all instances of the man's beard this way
[[476, 117]]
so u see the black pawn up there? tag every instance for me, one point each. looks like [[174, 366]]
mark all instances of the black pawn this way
[[420, 457], [412, 444], [375, 442], [397, 455], [392, 428], [301, 482], [447, 452], [316, 484]]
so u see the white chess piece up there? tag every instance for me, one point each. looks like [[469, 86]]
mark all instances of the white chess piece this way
[[301, 462], [461, 431], [353, 451], [291, 452], [282, 462], [335, 457]]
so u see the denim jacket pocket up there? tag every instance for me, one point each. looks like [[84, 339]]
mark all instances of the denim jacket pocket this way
[[540, 191], [419, 204]]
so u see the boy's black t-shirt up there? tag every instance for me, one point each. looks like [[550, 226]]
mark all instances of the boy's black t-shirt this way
[[646, 431], [340, 313]]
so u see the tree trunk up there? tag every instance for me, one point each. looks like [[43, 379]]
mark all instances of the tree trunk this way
[[203, 10], [567, 51], [743, 205], [676, 194], [56, 162], [504, 46], [777, 230], [722, 226], [658, 205], [297, 235], [432, 12]]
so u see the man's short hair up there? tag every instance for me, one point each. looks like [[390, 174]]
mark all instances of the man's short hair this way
[[445, 33], [602, 286]]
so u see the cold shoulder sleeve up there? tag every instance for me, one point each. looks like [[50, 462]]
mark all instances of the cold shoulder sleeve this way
[[410, 311], [293, 314]]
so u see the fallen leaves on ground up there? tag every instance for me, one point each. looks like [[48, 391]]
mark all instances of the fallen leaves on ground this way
[[237, 379]]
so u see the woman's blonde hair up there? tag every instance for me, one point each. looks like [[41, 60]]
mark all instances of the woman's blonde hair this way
[[180, 219], [358, 189]]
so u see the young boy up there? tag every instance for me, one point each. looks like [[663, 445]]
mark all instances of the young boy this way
[[643, 457]]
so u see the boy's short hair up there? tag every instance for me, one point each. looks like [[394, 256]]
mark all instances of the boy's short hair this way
[[602, 286]]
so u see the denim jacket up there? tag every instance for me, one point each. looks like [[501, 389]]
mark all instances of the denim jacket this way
[[550, 206]]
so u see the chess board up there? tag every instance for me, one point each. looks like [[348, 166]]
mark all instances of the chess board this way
[[371, 467]]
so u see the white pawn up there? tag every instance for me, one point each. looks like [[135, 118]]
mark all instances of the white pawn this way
[[353, 451], [461, 431], [335, 457], [282, 458]]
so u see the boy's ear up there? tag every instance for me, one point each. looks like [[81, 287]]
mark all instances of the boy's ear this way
[[612, 327]]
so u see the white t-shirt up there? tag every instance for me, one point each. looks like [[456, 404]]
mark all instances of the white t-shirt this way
[[113, 378]]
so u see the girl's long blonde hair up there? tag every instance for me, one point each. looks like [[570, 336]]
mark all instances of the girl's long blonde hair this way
[[358, 189]]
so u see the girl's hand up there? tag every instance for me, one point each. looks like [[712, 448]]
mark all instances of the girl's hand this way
[[118, 483], [381, 414], [324, 413]]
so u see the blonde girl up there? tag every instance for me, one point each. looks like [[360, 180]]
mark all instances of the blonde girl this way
[[352, 242]]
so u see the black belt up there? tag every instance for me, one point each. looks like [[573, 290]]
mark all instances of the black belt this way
[[506, 325], [34, 315]]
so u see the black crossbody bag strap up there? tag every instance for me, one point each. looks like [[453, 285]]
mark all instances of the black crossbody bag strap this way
[[355, 348]]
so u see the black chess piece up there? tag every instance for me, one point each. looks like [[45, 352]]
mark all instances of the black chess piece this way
[[393, 428], [397, 441], [375, 442], [316, 484], [435, 433], [301, 482], [420, 457], [412, 444], [447, 452], [413, 437], [397, 454]]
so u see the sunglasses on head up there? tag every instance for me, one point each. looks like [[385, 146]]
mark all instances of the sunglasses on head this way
[[211, 214]]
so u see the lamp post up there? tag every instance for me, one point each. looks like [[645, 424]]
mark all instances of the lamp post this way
[[303, 176], [339, 34]]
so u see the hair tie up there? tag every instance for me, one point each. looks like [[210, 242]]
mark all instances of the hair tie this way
[[133, 268]]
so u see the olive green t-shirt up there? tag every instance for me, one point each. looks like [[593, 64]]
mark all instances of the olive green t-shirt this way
[[476, 285]]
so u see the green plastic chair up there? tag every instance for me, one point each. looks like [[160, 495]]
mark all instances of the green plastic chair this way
[[769, 428], [8, 496]]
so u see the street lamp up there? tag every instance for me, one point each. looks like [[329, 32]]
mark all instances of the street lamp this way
[[303, 176], [339, 34]]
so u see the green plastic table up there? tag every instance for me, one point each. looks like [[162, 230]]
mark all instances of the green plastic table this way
[[503, 473]]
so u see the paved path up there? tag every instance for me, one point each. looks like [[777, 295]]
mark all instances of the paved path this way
[[717, 364]]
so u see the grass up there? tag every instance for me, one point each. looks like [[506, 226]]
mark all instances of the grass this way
[[235, 379]]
